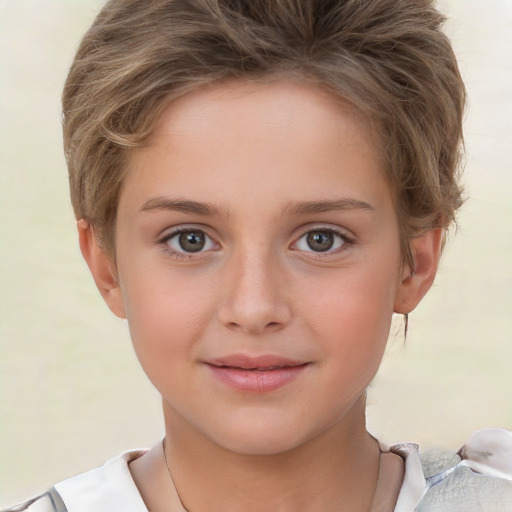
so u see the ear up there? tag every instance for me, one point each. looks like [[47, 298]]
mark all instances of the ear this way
[[416, 282], [101, 268]]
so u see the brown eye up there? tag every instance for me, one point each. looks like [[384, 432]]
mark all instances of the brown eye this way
[[189, 241], [320, 241], [192, 241]]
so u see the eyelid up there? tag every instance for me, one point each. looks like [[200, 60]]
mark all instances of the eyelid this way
[[344, 234], [170, 233]]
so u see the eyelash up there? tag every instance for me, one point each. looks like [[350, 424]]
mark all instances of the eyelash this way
[[342, 236], [164, 242], [344, 239]]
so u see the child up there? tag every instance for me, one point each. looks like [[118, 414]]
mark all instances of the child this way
[[259, 186]]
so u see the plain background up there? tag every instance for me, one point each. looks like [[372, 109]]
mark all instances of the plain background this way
[[71, 392]]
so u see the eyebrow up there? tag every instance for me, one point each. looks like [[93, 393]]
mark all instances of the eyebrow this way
[[184, 206], [310, 207], [295, 209]]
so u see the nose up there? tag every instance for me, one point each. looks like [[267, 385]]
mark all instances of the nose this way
[[254, 294]]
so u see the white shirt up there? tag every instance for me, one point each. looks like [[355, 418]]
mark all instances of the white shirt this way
[[480, 480]]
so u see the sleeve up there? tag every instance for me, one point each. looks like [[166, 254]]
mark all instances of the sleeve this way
[[480, 482], [50, 501]]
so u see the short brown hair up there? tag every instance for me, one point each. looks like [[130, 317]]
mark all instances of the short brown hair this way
[[389, 58]]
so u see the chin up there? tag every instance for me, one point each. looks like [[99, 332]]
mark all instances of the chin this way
[[261, 437], [265, 445]]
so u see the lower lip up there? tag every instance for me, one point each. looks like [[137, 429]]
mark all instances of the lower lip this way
[[257, 381]]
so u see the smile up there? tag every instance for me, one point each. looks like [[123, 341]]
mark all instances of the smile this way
[[256, 375]]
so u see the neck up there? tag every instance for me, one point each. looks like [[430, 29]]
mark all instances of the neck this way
[[336, 471]]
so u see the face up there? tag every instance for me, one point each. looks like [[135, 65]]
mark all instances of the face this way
[[258, 261]]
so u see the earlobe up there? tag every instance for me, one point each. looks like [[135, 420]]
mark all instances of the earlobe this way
[[101, 268], [426, 251]]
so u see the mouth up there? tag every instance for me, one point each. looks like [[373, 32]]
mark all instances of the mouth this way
[[260, 374]]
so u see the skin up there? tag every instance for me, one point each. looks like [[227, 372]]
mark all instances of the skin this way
[[253, 158]]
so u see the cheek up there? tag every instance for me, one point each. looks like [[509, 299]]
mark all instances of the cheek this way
[[167, 313], [354, 329], [352, 313]]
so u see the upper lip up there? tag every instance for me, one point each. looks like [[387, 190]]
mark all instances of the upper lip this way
[[262, 362]]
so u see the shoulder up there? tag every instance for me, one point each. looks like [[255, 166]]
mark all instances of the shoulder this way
[[481, 479], [477, 478], [109, 487]]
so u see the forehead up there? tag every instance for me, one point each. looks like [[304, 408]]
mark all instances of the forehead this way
[[294, 138], [275, 104]]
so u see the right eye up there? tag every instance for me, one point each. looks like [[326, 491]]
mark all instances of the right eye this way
[[189, 241]]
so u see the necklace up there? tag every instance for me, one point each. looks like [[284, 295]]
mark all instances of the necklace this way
[[172, 480], [373, 504]]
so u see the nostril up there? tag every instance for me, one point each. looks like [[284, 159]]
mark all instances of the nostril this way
[[270, 326], [251, 315]]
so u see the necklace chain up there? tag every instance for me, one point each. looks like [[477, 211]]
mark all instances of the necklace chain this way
[[172, 480], [187, 510]]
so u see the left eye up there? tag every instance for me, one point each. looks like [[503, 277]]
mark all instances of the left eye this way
[[190, 241], [320, 240]]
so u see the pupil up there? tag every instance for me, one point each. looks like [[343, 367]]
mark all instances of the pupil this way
[[192, 241], [320, 241]]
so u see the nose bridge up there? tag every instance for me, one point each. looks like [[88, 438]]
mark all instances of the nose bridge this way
[[254, 297]]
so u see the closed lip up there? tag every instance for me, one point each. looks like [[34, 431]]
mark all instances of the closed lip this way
[[256, 374], [266, 362]]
